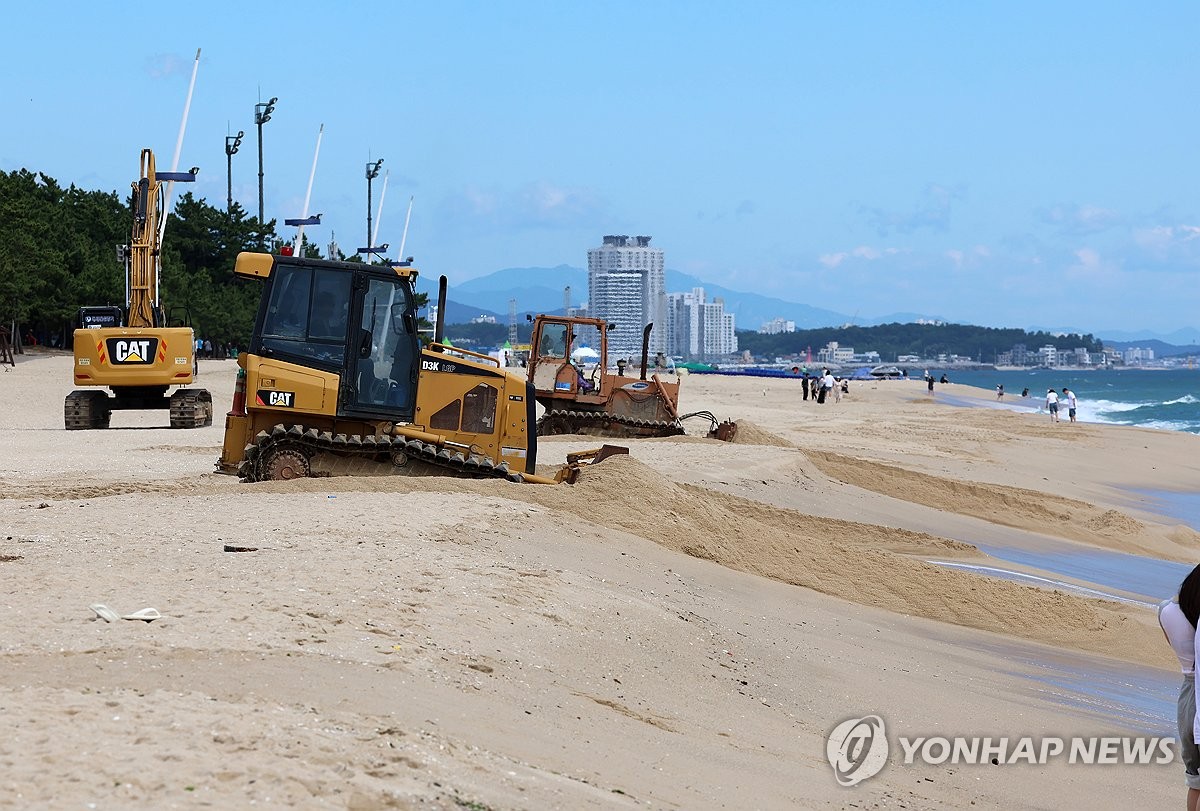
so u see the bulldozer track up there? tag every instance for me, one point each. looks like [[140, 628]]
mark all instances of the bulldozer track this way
[[285, 452], [598, 423]]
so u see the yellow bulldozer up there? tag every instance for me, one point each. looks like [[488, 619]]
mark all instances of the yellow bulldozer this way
[[335, 382], [135, 351], [600, 402]]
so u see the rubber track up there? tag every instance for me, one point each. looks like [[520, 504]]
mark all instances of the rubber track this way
[[378, 449], [598, 423]]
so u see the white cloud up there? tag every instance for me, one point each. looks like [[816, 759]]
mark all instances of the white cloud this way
[[1162, 241], [1090, 266], [161, 65], [1080, 219], [539, 204], [961, 258], [867, 252]]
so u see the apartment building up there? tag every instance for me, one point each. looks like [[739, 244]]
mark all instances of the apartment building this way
[[626, 287]]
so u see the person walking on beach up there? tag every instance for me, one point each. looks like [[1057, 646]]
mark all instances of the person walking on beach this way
[[928, 382], [1069, 396], [1052, 403], [1000, 392], [804, 385], [1177, 617], [826, 385]]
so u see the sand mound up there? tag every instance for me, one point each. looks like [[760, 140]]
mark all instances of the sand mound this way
[[749, 433], [1111, 522], [1011, 506], [863, 563]]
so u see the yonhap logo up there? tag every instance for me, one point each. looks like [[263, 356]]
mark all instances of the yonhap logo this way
[[857, 749]]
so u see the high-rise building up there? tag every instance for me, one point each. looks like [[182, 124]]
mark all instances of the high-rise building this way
[[698, 329], [626, 286]]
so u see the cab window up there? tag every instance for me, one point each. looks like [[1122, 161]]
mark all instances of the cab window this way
[[307, 314], [553, 341]]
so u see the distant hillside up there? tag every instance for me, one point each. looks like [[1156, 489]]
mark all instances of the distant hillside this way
[[541, 290], [1189, 336], [1162, 349]]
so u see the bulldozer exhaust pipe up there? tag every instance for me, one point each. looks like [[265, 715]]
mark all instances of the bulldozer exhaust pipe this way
[[646, 347], [439, 328]]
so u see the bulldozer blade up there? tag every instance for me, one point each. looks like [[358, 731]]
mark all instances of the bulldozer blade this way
[[596, 455], [725, 432]]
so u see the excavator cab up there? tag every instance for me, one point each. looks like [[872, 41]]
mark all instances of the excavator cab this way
[[335, 382]]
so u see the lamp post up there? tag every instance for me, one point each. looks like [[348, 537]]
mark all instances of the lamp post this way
[[232, 142], [372, 173], [262, 114]]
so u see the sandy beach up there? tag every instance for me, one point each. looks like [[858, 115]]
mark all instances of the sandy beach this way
[[682, 628]]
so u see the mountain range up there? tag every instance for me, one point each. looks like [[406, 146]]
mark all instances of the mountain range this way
[[540, 290]]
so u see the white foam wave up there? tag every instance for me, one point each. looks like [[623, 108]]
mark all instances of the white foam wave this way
[[1111, 406], [1185, 399], [1171, 425]]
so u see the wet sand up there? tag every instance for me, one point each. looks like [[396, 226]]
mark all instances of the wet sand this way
[[682, 628]]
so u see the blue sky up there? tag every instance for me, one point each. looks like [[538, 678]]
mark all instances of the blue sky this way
[[1005, 164]]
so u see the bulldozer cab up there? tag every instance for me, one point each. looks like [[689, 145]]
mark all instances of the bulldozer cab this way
[[359, 324], [561, 363]]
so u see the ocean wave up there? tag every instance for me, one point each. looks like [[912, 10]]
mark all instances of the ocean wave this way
[[1171, 425], [1187, 398], [1112, 406]]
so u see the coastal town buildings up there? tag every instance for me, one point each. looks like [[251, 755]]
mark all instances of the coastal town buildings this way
[[698, 329], [776, 326]]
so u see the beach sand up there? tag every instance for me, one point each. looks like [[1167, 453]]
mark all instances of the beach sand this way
[[682, 628]]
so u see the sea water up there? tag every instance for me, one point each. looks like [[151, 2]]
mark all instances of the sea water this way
[[1164, 399]]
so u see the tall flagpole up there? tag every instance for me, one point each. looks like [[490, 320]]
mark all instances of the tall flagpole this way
[[308, 195], [379, 211], [404, 238], [162, 227]]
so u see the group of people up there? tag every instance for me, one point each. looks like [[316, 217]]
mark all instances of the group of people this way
[[823, 385], [207, 348], [1053, 401]]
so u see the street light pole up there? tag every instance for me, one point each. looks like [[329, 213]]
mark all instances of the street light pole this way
[[372, 173], [232, 142], [262, 114]]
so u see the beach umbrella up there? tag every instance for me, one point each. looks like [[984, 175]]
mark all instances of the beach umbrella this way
[[585, 353]]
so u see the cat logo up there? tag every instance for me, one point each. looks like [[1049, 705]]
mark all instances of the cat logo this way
[[279, 399], [132, 350]]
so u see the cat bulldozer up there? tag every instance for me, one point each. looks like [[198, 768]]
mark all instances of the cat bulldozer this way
[[134, 351], [336, 382], [603, 403]]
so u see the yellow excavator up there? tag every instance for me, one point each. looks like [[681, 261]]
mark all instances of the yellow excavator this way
[[134, 351], [335, 382]]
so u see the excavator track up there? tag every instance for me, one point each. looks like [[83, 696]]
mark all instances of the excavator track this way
[[598, 423], [288, 452], [191, 408], [84, 410]]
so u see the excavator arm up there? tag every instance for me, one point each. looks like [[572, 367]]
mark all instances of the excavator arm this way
[[142, 274]]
